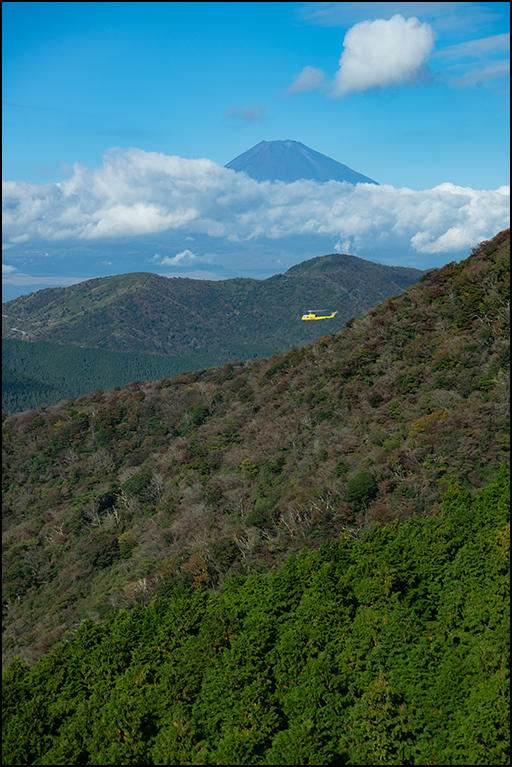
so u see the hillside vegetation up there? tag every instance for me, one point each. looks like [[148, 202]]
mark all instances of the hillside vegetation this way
[[177, 510], [388, 650], [148, 314], [40, 373], [118, 496], [114, 330]]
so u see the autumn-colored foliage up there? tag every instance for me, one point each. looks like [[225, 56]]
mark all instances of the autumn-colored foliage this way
[[109, 498]]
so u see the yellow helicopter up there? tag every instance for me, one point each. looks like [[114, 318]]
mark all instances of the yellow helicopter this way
[[314, 314]]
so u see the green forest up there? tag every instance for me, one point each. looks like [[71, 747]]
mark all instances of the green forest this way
[[387, 650], [294, 560], [41, 373], [112, 331], [142, 313]]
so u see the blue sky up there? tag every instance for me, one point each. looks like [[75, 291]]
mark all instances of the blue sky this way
[[119, 117]]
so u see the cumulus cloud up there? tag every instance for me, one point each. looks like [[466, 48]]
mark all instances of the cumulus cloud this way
[[7, 268], [144, 193], [310, 79], [185, 258], [381, 53]]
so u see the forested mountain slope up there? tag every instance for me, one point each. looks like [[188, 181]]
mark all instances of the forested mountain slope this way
[[115, 330], [149, 314], [388, 650], [40, 373], [118, 497], [176, 511]]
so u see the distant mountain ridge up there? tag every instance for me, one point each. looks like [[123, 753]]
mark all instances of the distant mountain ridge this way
[[291, 161], [110, 331], [149, 314]]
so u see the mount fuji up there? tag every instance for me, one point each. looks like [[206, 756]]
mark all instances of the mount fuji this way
[[290, 161]]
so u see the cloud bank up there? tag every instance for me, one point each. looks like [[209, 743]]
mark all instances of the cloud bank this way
[[139, 193]]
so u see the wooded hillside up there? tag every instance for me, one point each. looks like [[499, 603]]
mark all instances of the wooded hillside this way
[[115, 330], [53, 372], [149, 314], [118, 495], [388, 650], [195, 489]]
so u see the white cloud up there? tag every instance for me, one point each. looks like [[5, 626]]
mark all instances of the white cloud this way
[[7, 268], [381, 53], [142, 193], [391, 50], [344, 246], [185, 258], [310, 79]]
